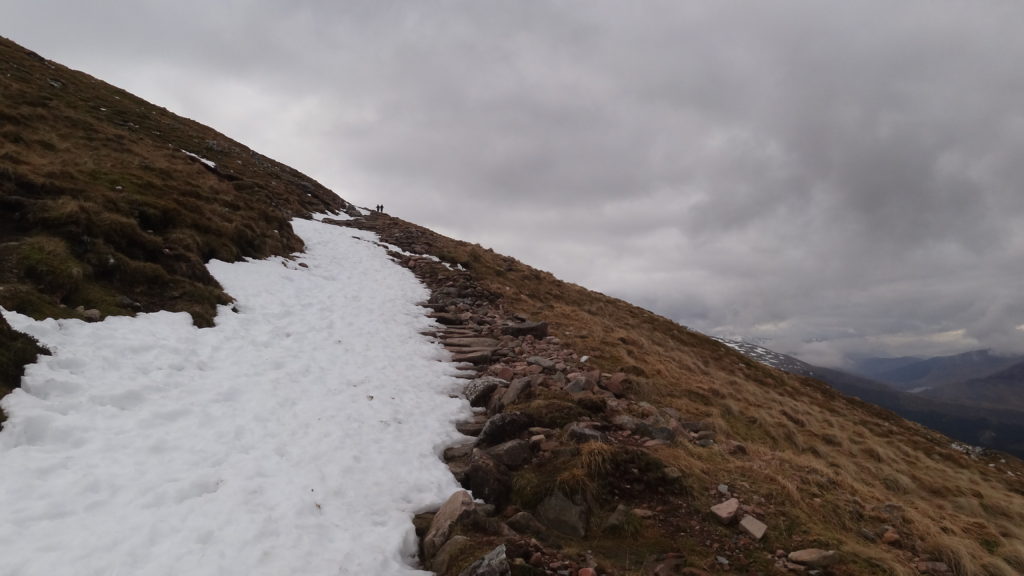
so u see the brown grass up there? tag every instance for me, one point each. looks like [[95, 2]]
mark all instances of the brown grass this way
[[823, 466]]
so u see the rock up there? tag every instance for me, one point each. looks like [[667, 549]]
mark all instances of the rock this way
[[563, 515], [490, 343], [458, 452], [726, 511], [536, 329], [506, 373], [577, 385], [705, 443], [513, 454], [723, 489], [753, 526], [515, 390], [473, 426], [814, 557], [526, 523], [616, 384], [495, 563], [705, 435], [457, 505], [619, 519], [662, 433], [487, 479], [544, 363], [503, 427], [450, 552], [581, 433], [92, 315], [631, 423], [446, 319], [672, 473], [891, 537], [479, 391], [475, 357]]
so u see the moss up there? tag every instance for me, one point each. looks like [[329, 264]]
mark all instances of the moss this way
[[48, 262], [550, 413]]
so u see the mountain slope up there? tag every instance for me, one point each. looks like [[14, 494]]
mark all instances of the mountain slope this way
[[942, 370], [827, 470], [111, 203], [819, 469], [1003, 389]]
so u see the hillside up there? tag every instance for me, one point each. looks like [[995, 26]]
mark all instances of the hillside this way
[[939, 371], [610, 441], [1003, 389]]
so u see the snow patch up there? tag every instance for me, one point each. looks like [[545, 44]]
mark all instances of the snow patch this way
[[297, 436], [209, 163]]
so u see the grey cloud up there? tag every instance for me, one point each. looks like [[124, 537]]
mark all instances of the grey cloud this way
[[835, 177]]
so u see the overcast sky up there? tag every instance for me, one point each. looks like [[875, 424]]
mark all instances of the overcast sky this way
[[837, 177]]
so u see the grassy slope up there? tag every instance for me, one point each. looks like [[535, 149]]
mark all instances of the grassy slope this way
[[100, 208], [825, 466]]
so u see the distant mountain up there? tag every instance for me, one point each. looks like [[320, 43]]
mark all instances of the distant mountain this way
[[1004, 389], [998, 425], [915, 374], [874, 367]]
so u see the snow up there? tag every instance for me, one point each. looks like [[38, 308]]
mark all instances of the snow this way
[[298, 436], [209, 163]]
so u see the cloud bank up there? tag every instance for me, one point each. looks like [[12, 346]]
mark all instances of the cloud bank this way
[[836, 178]]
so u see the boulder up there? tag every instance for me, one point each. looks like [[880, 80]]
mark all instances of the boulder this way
[[503, 427], [526, 523], [563, 515], [513, 454], [457, 505], [515, 390], [453, 549], [478, 391], [487, 479]]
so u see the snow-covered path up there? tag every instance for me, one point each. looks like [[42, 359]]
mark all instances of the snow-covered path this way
[[298, 436]]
